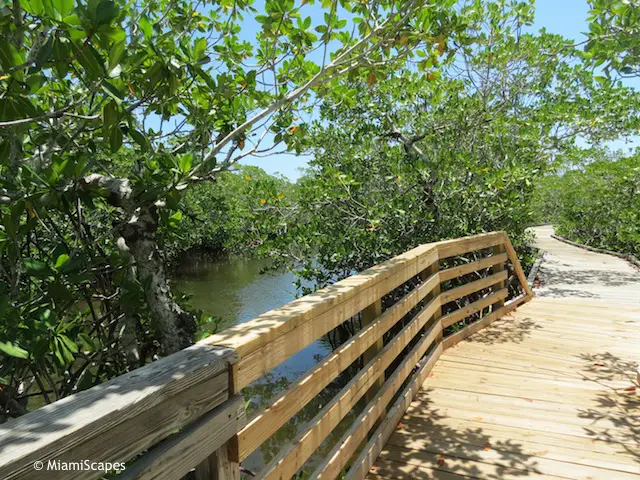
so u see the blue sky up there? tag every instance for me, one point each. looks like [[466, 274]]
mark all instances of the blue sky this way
[[565, 17]]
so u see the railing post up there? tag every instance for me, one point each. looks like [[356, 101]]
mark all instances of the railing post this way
[[513, 256], [224, 463], [497, 250], [369, 315], [220, 465], [425, 275]]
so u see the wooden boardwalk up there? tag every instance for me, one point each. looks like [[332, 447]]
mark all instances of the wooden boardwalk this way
[[547, 392]]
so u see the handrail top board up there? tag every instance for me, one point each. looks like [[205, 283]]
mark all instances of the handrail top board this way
[[61, 425], [248, 336]]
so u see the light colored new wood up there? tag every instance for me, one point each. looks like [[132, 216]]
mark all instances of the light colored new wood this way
[[471, 267], [434, 269], [348, 443], [311, 384], [281, 339], [478, 305], [292, 457], [569, 271], [472, 287], [271, 338], [373, 448], [459, 246], [499, 250], [167, 411], [451, 340], [143, 407], [368, 316], [513, 256]]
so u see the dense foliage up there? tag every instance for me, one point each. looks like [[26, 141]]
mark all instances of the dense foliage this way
[[596, 203], [614, 36], [174, 93], [235, 215], [452, 151]]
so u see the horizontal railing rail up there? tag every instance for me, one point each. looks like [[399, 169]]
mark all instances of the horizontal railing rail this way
[[187, 410]]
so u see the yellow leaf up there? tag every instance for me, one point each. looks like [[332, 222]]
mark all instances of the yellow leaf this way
[[403, 39], [440, 44], [371, 78], [30, 210], [4, 77]]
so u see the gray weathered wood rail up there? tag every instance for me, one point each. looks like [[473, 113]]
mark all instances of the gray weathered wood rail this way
[[185, 412]]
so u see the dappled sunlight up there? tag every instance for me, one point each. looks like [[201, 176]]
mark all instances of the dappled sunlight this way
[[509, 329], [616, 405]]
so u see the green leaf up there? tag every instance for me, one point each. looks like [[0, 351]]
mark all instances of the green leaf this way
[[186, 162], [110, 116], [90, 59], [106, 12], [36, 268], [146, 27], [115, 139], [175, 220], [50, 10], [45, 52], [86, 342], [61, 56], [71, 346], [9, 56], [34, 7], [13, 350], [63, 7], [115, 54], [199, 48], [140, 139], [112, 91], [62, 259]]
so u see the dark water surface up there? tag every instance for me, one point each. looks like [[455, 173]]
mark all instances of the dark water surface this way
[[235, 291]]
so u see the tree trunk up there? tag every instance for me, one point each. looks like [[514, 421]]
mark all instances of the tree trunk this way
[[174, 327]]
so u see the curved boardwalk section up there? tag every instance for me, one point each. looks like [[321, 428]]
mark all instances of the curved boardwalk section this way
[[549, 391], [571, 272]]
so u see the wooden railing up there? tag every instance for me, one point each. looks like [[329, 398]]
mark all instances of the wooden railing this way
[[186, 410]]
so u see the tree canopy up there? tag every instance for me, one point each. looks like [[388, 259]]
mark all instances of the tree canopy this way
[[614, 36]]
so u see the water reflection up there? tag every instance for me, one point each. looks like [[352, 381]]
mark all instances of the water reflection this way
[[233, 289]]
